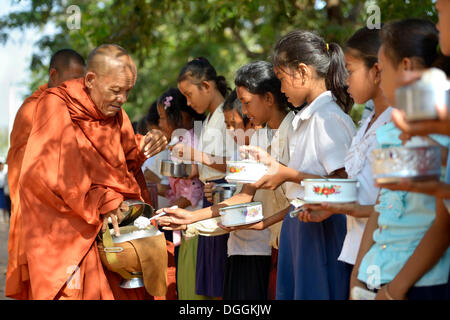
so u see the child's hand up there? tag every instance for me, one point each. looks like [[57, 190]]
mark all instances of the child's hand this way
[[254, 226], [424, 127], [269, 181], [208, 190], [257, 154], [431, 187], [313, 216], [174, 217], [183, 152], [345, 208]]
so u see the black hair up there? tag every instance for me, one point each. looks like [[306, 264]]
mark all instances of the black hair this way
[[201, 70], [232, 102], [174, 102], [306, 47], [259, 78], [411, 38], [141, 126], [152, 114], [61, 59], [364, 44]]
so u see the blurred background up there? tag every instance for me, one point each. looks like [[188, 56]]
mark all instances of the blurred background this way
[[163, 35]]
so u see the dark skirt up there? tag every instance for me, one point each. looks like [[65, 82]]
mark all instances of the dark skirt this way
[[211, 261], [247, 277], [308, 266]]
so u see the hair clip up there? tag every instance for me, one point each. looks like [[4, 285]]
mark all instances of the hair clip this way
[[167, 102]]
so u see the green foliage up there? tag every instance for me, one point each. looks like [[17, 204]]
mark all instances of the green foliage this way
[[163, 35]]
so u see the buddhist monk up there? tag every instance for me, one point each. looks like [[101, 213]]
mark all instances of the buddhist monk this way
[[65, 64], [81, 162]]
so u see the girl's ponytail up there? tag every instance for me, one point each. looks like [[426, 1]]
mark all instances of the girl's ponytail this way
[[222, 86], [336, 77], [200, 69], [307, 47]]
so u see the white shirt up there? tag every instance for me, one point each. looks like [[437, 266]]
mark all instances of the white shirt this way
[[320, 140], [214, 140], [358, 165]]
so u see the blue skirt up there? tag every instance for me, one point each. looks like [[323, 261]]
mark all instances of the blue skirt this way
[[2, 200], [211, 261], [308, 268]]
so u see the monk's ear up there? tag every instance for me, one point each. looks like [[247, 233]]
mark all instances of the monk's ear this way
[[52, 77], [89, 79]]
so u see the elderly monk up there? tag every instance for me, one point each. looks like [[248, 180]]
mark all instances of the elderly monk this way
[[81, 162], [65, 64]]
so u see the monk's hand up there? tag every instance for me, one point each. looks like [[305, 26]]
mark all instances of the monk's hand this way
[[208, 190], [153, 143], [116, 218]]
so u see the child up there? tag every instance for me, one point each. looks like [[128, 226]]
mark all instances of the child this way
[[412, 262], [312, 73], [363, 85], [176, 119], [205, 91], [249, 251]]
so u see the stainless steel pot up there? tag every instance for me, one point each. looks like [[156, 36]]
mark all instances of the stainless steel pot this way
[[222, 192], [174, 169], [419, 99], [418, 163]]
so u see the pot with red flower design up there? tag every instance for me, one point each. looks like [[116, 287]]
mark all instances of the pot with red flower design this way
[[245, 171], [330, 190]]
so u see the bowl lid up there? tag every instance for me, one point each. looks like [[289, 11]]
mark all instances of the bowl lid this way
[[241, 205], [331, 180]]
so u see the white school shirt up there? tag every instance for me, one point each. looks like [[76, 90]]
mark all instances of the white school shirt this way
[[322, 134], [214, 140], [358, 165]]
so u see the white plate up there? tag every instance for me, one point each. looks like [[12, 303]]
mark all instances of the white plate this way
[[242, 224]]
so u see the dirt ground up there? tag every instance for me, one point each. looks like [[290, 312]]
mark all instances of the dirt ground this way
[[4, 231]]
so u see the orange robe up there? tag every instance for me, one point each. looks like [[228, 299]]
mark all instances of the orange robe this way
[[77, 166], [17, 272]]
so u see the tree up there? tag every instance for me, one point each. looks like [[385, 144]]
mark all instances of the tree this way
[[163, 35]]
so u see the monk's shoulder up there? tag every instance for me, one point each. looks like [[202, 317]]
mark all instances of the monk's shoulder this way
[[50, 109]]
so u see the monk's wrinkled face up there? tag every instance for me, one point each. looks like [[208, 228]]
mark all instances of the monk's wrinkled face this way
[[109, 90]]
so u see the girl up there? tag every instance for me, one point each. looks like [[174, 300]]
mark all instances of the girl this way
[[249, 251], [205, 92], [176, 119], [363, 85], [409, 261], [312, 73]]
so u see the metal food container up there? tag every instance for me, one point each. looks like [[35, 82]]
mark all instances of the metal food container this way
[[223, 191], [174, 169], [419, 99], [417, 163], [241, 214], [330, 190], [245, 171]]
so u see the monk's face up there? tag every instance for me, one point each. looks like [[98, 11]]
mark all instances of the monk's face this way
[[109, 90], [74, 71]]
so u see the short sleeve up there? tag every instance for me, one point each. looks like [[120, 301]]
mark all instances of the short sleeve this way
[[333, 136]]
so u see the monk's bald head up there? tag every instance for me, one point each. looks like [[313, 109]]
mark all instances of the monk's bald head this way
[[107, 57], [110, 76], [65, 64]]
